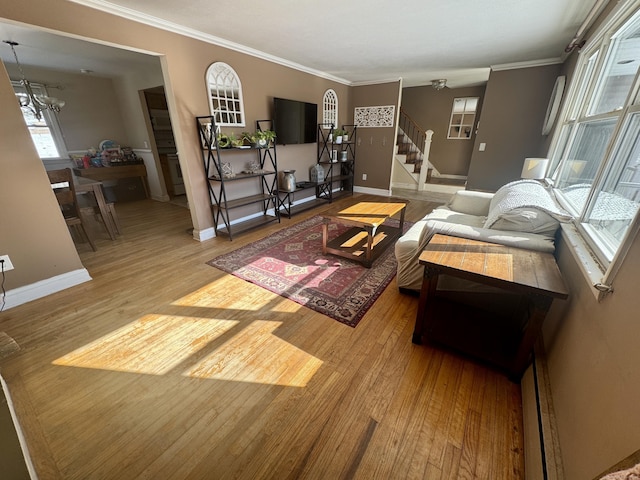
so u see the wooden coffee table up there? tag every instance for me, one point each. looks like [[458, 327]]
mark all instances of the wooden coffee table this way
[[503, 340], [369, 237]]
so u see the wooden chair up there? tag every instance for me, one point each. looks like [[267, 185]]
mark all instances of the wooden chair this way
[[89, 206], [64, 189]]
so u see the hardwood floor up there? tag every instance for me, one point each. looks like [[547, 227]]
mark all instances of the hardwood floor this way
[[163, 367]]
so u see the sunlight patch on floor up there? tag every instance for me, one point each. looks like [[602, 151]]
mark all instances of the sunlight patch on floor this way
[[152, 345], [159, 344], [256, 355]]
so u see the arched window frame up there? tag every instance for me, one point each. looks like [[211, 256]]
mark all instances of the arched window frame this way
[[225, 95], [330, 108]]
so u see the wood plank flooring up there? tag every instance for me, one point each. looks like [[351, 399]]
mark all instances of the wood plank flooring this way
[[163, 367]]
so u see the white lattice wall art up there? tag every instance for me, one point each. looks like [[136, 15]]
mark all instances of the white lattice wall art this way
[[375, 116]]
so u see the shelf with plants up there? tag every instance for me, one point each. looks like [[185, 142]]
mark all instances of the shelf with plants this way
[[223, 166], [337, 156]]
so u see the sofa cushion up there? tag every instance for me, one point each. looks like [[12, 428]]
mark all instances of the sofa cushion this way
[[471, 202], [525, 206], [446, 214]]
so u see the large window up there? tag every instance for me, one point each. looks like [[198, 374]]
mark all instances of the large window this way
[[596, 153], [225, 95], [45, 132]]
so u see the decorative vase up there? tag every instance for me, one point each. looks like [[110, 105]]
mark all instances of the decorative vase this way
[[287, 181], [316, 173]]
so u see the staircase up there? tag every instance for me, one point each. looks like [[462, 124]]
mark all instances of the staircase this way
[[412, 154], [412, 150]]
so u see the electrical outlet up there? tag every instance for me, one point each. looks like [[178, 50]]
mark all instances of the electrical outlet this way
[[364, 176], [6, 263]]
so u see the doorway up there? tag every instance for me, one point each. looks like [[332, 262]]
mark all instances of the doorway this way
[[164, 143]]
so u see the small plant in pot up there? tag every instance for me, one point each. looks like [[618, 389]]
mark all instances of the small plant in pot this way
[[235, 141], [259, 138], [223, 140], [337, 135]]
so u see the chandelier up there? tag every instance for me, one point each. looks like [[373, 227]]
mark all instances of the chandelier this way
[[36, 103], [439, 84]]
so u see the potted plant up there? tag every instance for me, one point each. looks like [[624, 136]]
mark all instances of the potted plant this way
[[235, 141], [337, 135], [259, 138], [223, 140]]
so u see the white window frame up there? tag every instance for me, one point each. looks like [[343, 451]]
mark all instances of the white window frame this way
[[224, 91], [461, 122], [330, 108], [597, 261], [49, 118]]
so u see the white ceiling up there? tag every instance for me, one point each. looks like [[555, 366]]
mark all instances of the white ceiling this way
[[355, 41]]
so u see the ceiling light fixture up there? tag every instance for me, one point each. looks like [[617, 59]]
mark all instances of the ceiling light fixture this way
[[439, 84], [36, 103]]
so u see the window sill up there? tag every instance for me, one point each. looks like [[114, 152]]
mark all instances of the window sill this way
[[590, 268]]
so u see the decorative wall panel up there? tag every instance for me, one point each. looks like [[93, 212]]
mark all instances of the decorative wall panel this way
[[375, 116]]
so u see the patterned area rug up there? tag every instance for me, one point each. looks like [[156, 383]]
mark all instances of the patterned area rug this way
[[290, 263]]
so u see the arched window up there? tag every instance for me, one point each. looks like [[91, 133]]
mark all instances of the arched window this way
[[225, 95], [330, 107]]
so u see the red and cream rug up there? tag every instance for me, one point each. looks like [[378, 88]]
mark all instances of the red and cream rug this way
[[290, 263]]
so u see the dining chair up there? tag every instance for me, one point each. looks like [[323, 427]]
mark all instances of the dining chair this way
[[89, 206], [64, 189]]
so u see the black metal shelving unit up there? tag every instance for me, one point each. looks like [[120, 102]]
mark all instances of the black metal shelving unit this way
[[339, 174], [266, 193]]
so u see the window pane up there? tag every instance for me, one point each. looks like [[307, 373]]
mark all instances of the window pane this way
[[472, 104], [617, 203], [458, 105], [620, 69], [585, 78], [40, 134], [580, 165]]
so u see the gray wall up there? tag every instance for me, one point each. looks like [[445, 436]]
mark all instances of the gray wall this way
[[431, 110], [513, 111]]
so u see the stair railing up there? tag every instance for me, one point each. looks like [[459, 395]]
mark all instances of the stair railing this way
[[422, 140], [412, 130]]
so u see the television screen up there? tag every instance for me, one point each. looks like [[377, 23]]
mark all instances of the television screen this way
[[294, 121]]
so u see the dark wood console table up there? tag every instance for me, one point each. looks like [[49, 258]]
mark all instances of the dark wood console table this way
[[534, 276], [102, 174]]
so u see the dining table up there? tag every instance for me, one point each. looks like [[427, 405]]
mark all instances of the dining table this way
[[87, 185]]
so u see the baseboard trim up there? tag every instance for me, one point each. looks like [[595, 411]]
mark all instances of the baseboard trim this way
[[543, 459], [372, 191], [42, 288], [202, 235]]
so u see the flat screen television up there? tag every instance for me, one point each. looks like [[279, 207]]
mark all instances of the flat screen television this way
[[294, 121]]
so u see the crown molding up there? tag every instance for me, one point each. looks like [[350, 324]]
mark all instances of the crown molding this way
[[152, 21], [376, 82], [528, 64]]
